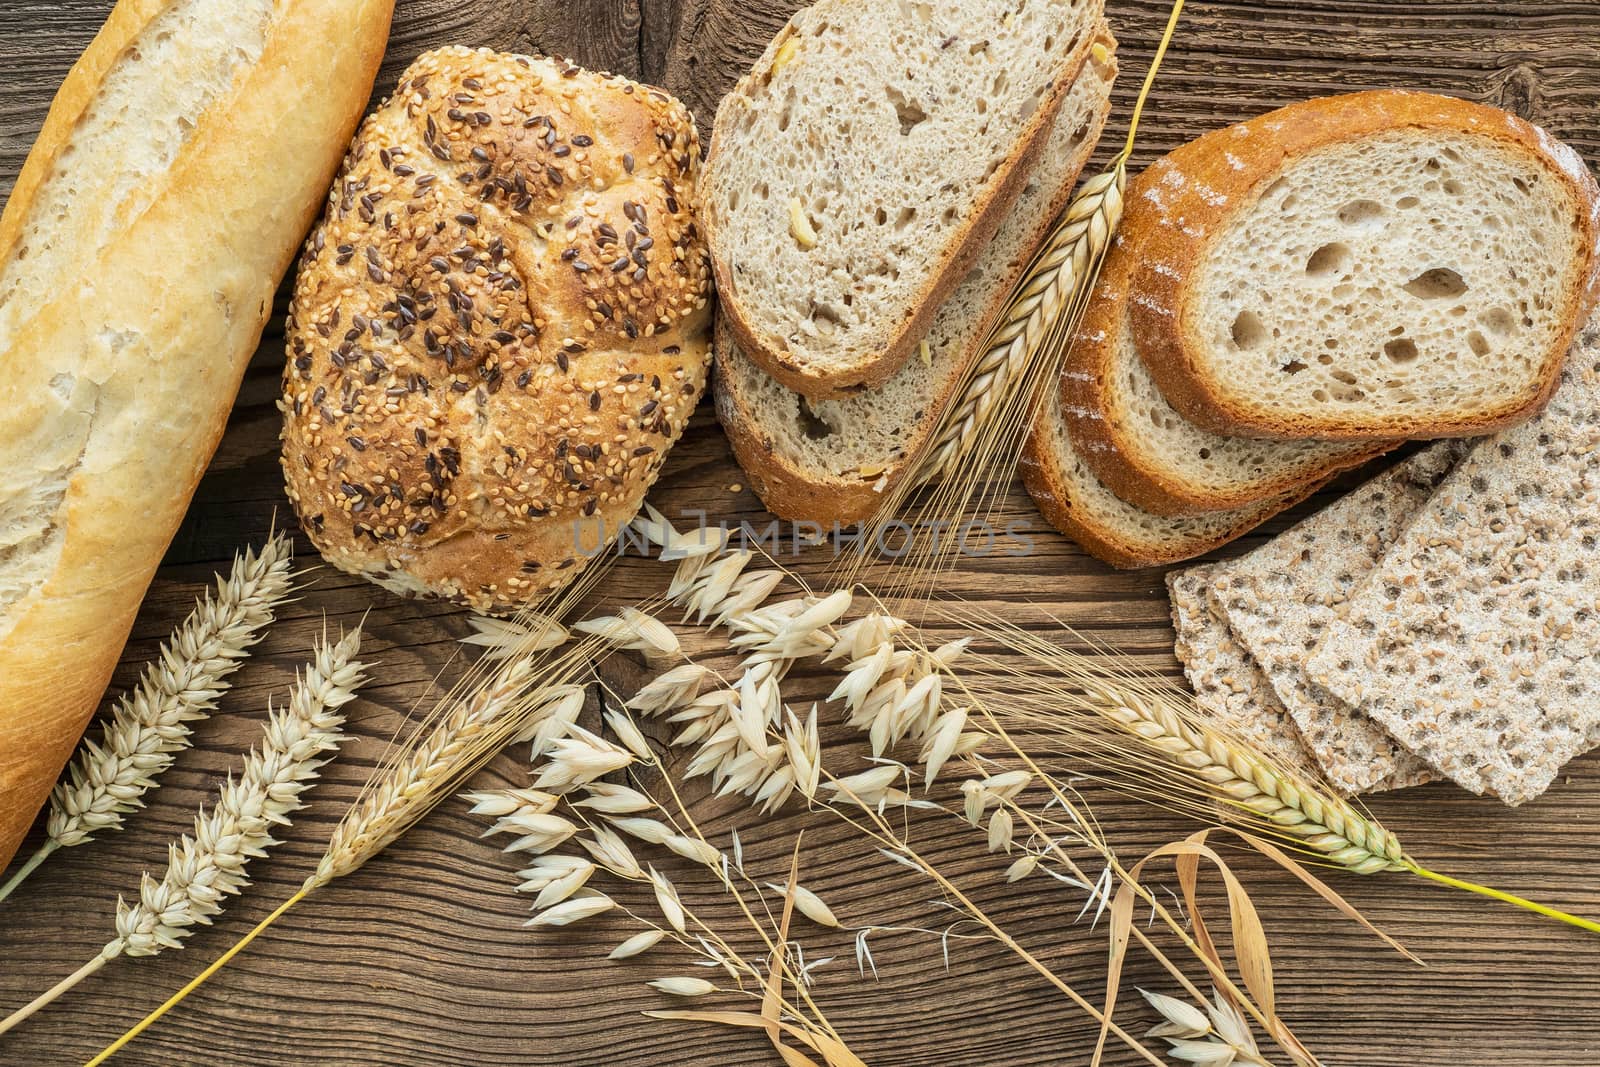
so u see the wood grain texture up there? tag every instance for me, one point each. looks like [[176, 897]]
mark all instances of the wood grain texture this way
[[421, 957]]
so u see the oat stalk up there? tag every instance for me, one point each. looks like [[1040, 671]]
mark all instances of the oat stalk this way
[[149, 725], [206, 867]]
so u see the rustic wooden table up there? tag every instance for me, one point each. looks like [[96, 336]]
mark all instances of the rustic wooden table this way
[[420, 958]]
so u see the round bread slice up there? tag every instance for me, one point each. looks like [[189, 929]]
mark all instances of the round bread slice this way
[[1146, 452], [1078, 504], [1384, 264]]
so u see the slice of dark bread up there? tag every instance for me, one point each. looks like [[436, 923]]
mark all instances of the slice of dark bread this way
[[859, 169], [831, 460], [1137, 444], [1382, 264]]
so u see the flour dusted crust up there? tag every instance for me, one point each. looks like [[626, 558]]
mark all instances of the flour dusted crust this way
[[1227, 173], [1279, 599], [1476, 640], [499, 329], [1229, 689]]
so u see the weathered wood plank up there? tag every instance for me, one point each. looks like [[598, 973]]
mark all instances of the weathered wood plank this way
[[421, 958]]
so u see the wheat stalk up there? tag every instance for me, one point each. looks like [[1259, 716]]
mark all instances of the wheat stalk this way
[[208, 866], [1064, 267], [395, 801], [976, 440], [149, 725], [474, 721]]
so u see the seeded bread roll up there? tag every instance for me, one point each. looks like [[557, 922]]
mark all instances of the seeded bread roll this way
[[499, 328], [859, 169], [833, 460], [1143, 450], [177, 171], [1383, 264]]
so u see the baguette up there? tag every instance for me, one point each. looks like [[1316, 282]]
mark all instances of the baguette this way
[[1382, 264], [180, 165], [1143, 450], [859, 169], [832, 460]]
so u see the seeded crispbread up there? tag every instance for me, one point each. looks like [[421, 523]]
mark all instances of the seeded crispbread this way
[[1281, 597], [1229, 688], [1476, 641]]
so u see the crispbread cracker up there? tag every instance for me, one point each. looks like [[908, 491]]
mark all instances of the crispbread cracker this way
[[1229, 688], [1476, 641], [1279, 599]]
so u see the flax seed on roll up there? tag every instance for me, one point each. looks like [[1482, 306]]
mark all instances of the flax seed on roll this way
[[499, 328]]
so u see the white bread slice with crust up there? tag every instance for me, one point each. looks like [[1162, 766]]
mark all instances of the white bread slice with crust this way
[[1381, 264], [832, 460], [858, 170], [1143, 450]]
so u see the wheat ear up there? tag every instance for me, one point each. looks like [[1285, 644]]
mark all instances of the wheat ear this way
[[429, 772], [476, 721], [149, 726], [1319, 821], [1062, 268], [207, 867]]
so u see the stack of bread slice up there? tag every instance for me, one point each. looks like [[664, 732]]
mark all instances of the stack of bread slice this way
[[1290, 297], [1295, 295], [874, 190]]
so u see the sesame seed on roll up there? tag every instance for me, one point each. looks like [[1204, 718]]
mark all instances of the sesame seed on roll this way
[[499, 328]]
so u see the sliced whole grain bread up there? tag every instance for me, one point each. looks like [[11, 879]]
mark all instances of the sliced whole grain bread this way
[[1382, 264], [1230, 690], [1476, 640], [1078, 504], [858, 170], [1280, 598], [831, 460], [1142, 449]]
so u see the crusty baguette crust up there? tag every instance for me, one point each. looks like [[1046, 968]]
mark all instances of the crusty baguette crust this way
[[192, 280], [832, 383], [1165, 315], [792, 492], [1101, 434]]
